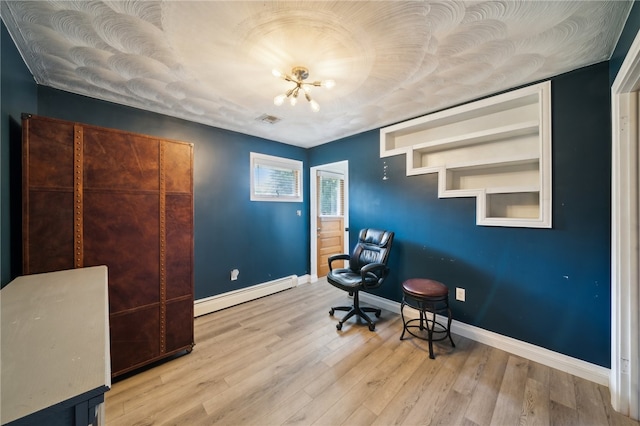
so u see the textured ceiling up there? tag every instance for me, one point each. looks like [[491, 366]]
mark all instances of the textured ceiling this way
[[211, 62]]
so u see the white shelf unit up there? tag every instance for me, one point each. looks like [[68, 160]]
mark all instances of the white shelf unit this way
[[497, 149]]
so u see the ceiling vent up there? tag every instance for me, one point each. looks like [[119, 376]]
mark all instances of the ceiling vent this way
[[269, 119]]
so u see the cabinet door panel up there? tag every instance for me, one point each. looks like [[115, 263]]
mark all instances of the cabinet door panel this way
[[179, 251], [50, 236], [121, 230], [50, 154], [179, 324], [134, 338], [178, 167], [117, 160]]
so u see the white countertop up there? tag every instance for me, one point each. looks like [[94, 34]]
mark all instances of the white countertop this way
[[54, 339]]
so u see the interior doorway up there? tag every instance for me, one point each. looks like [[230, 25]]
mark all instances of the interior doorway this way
[[624, 383], [329, 209]]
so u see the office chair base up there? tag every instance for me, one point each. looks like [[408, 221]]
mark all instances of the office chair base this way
[[359, 312]]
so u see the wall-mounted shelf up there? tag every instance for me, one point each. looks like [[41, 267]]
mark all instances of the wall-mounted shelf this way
[[497, 150]]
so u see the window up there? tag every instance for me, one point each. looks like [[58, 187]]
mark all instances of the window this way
[[330, 193], [275, 178]]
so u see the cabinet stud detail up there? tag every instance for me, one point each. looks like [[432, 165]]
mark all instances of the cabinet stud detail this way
[[78, 141]]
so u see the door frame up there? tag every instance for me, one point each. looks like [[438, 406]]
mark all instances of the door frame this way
[[624, 380], [339, 167]]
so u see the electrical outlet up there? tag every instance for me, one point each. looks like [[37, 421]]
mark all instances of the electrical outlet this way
[[234, 274], [460, 294]]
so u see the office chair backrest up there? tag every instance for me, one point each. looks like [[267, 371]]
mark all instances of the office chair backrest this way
[[373, 247]]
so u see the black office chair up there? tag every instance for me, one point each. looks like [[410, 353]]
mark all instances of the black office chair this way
[[367, 270]]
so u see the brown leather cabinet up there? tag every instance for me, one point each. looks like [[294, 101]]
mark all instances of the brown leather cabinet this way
[[99, 196]]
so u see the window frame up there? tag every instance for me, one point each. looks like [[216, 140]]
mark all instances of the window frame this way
[[340, 201], [271, 161]]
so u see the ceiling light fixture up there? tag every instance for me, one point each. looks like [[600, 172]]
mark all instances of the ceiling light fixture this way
[[299, 75]]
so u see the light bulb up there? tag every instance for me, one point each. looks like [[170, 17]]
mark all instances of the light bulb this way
[[328, 84], [276, 73], [294, 100], [314, 106], [278, 100]]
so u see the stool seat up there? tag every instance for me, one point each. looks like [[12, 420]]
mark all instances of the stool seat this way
[[422, 287], [428, 297]]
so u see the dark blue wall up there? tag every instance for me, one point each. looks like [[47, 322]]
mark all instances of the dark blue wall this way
[[18, 92], [548, 287]]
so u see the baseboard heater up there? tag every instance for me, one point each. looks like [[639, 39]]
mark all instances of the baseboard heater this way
[[232, 298]]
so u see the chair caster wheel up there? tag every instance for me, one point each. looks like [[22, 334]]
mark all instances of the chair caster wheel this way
[[339, 326], [372, 327], [331, 312]]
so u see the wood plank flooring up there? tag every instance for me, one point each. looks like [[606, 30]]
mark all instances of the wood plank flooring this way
[[279, 360]]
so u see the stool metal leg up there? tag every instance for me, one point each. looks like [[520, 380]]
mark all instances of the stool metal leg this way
[[449, 325], [430, 329], [427, 321], [404, 323]]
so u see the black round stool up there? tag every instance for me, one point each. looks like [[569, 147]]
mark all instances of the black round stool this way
[[427, 296]]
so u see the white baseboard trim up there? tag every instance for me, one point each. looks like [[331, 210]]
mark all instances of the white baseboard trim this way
[[232, 298], [306, 279], [577, 367]]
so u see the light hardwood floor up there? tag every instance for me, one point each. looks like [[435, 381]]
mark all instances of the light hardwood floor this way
[[280, 360]]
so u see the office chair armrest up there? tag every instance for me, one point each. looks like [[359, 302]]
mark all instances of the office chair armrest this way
[[337, 257], [377, 270]]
